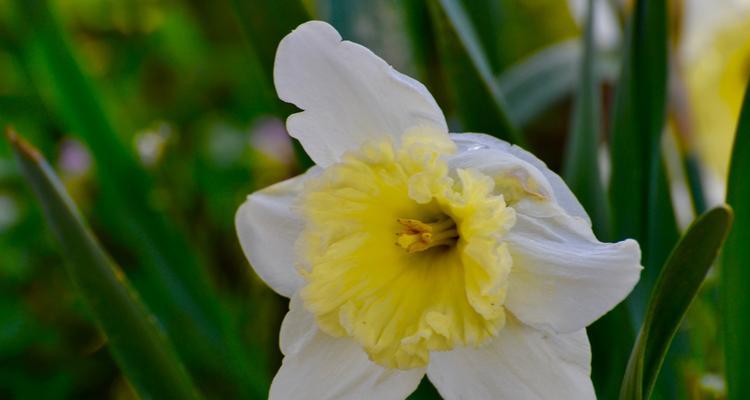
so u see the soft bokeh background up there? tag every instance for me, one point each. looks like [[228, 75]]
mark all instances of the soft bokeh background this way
[[174, 120]]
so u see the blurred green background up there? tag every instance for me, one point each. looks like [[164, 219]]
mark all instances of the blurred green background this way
[[160, 117]]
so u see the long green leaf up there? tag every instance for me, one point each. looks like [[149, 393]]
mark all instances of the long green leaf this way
[[675, 289], [423, 49], [735, 272], [475, 91], [539, 81], [610, 338], [140, 348], [581, 172], [581, 168], [684, 126], [177, 287], [639, 194]]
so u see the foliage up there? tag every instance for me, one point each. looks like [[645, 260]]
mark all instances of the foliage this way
[[159, 117]]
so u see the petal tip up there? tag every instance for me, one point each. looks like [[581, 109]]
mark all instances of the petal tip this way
[[347, 94]]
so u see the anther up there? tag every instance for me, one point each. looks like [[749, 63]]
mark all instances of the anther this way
[[419, 236]]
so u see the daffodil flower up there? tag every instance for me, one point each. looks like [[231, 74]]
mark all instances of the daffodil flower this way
[[409, 251]]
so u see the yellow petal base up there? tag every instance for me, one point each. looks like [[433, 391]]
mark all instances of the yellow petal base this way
[[403, 256]]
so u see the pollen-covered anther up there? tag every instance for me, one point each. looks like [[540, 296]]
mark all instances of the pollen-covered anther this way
[[419, 236]]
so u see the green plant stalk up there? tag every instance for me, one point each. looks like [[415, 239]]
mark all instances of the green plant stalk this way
[[140, 348], [178, 289], [614, 331], [735, 264], [423, 49], [674, 291], [477, 95], [581, 167], [639, 193], [692, 167], [541, 80]]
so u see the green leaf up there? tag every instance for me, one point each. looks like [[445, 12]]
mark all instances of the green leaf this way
[[581, 172], [639, 193], [692, 165], [675, 289], [140, 348], [581, 168], [176, 285], [475, 92], [546, 77], [610, 338], [536, 82], [735, 264], [419, 30]]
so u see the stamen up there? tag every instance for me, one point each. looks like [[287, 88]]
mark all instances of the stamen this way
[[419, 236]]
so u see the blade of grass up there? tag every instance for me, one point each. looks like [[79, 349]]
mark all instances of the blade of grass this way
[[422, 47], [675, 289], [176, 287], [581, 168], [735, 264], [418, 29], [546, 77], [692, 165], [639, 194], [139, 347], [484, 17], [475, 92], [610, 337], [536, 82], [581, 172], [680, 110]]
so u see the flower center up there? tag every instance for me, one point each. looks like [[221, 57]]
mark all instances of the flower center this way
[[444, 281], [419, 236]]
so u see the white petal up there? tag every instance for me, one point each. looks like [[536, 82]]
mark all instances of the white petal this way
[[318, 366], [477, 142], [520, 363], [348, 94], [267, 228], [564, 279]]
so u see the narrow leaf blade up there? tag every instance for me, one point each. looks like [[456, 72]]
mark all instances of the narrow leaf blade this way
[[673, 292], [140, 348], [735, 272], [175, 285], [581, 168], [535, 83], [477, 95], [639, 192], [547, 77], [581, 172]]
